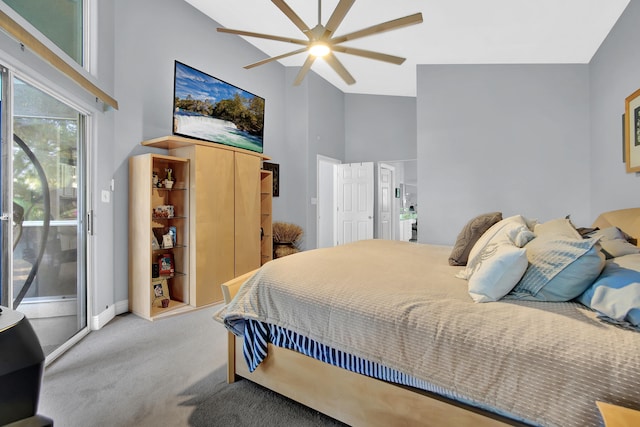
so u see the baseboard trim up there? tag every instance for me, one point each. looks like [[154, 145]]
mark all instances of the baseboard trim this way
[[122, 307], [97, 322], [43, 307]]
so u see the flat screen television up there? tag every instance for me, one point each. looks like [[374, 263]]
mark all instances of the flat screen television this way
[[210, 109]]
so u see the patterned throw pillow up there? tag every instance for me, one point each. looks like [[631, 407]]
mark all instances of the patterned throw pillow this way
[[470, 234], [497, 260], [561, 264]]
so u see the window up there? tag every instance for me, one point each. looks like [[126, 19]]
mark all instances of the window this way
[[61, 21]]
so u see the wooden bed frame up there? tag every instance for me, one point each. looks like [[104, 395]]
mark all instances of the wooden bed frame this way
[[359, 400], [349, 397]]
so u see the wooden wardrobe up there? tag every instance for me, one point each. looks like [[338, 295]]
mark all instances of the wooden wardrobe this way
[[226, 218]]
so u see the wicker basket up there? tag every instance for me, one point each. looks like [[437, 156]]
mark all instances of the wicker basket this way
[[284, 249], [286, 237]]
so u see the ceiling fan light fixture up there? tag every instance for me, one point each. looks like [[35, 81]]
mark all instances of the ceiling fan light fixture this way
[[322, 43], [319, 49]]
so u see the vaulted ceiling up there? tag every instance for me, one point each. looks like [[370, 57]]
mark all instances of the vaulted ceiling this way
[[453, 32]]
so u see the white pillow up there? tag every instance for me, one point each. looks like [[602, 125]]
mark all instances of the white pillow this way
[[500, 268], [497, 260], [499, 232]]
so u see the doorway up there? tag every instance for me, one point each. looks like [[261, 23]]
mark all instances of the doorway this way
[[326, 202], [385, 207], [404, 202], [402, 209], [43, 203], [345, 194]]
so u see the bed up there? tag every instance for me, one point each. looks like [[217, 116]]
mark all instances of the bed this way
[[413, 347]]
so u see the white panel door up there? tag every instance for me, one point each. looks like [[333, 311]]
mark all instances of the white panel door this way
[[355, 202], [385, 201]]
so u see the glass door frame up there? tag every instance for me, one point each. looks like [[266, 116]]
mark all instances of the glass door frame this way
[[6, 193], [84, 202]]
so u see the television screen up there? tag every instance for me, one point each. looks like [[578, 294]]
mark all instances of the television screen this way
[[212, 110]]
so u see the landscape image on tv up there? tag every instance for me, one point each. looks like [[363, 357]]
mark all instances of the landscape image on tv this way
[[212, 110]]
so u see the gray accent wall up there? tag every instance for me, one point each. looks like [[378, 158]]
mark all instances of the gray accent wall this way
[[379, 128], [300, 122], [540, 140], [150, 36], [510, 138], [326, 136], [314, 124], [615, 75]]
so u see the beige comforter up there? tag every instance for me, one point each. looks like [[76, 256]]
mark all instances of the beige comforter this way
[[400, 305]]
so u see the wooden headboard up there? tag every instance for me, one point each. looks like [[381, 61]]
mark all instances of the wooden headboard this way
[[627, 220]]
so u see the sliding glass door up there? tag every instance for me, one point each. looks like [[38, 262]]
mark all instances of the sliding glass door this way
[[43, 200]]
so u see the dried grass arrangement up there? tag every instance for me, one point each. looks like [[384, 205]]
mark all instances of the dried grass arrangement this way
[[286, 238]]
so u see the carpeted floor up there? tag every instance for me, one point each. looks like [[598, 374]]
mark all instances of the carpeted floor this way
[[170, 372]]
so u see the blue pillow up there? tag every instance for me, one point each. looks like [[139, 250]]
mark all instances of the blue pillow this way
[[560, 268], [616, 292]]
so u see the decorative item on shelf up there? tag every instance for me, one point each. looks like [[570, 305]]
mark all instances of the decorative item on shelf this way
[[163, 211], [275, 170], [286, 239], [154, 179], [155, 271], [173, 231], [166, 264], [160, 293], [168, 182], [154, 243], [167, 241]]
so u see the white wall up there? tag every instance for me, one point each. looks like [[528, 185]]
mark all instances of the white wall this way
[[510, 138]]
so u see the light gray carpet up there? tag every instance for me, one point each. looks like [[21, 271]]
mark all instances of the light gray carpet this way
[[171, 372]]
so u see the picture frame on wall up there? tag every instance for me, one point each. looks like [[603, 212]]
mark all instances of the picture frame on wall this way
[[632, 131]]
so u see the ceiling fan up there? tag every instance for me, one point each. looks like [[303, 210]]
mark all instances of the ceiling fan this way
[[322, 42]]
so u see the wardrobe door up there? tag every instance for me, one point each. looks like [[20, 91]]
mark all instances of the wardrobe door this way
[[247, 213], [214, 230], [212, 221]]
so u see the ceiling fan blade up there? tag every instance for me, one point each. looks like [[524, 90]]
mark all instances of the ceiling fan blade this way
[[369, 54], [380, 28], [275, 58], [337, 16], [292, 16], [263, 36], [305, 69], [339, 68]]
